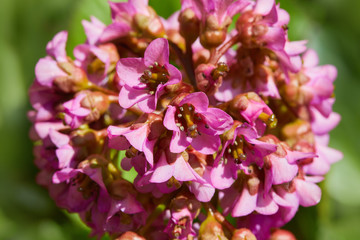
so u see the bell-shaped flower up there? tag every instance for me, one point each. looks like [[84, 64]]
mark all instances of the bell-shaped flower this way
[[194, 123], [145, 79]]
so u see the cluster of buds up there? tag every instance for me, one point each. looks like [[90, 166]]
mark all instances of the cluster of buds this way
[[213, 122]]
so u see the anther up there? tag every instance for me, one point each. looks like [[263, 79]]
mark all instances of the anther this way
[[190, 108], [179, 115], [192, 127], [181, 109], [182, 128]]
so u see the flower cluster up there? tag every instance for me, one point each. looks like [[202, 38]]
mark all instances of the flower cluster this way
[[207, 118]]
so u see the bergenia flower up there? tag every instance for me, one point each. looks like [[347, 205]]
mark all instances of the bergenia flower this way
[[145, 79], [243, 149], [193, 122]]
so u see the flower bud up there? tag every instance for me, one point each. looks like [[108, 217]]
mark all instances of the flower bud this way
[[209, 77], [211, 229], [97, 102], [130, 236], [211, 33], [280, 234], [74, 82], [243, 234], [150, 26], [189, 25]]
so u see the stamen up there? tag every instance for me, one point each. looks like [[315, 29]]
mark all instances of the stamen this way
[[269, 120], [179, 115]]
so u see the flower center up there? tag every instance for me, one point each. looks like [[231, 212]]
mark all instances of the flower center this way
[[186, 119], [85, 185], [236, 150], [155, 75]]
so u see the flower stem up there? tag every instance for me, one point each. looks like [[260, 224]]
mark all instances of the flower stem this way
[[216, 55], [186, 61]]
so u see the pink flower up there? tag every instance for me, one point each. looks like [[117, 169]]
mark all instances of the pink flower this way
[[74, 112], [145, 79], [139, 139], [47, 69], [192, 122], [242, 150], [93, 30], [96, 61]]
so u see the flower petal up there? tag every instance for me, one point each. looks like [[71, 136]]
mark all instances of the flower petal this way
[[162, 171], [157, 51]]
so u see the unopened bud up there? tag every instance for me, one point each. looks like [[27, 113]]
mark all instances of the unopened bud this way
[[280, 234], [97, 102], [189, 25], [150, 26], [74, 82], [130, 236], [209, 77], [243, 234], [212, 34], [211, 229]]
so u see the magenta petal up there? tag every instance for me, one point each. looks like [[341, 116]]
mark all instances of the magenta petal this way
[[65, 156], [56, 47], [182, 170], [64, 174], [202, 192], [293, 156], [169, 119], [148, 105], [157, 51], [93, 29], [280, 199], [137, 137], [321, 125], [218, 119], [47, 70], [130, 96], [265, 204], [245, 204], [126, 164], [58, 139], [310, 58], [116, 138], [331, 155], [179, 142], [282, 171], [130, 70], [236, 7], [163, 171], [148, 148], [114, 31], [198, 99], [43, 128], [263, 7], [309, 193], [175, 74], [221, 176], [295, 47], [206, 144], [275, 38]]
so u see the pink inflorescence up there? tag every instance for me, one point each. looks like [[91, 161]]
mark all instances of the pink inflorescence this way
[[213, 121]]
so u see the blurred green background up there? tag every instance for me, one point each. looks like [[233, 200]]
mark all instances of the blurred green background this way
[[26, 211]]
